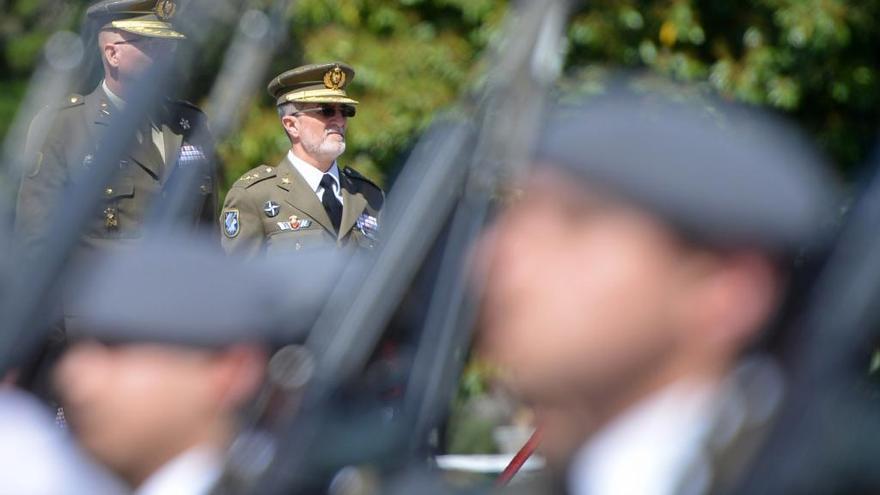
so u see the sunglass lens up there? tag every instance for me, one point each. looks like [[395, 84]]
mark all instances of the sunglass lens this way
[[345, 110]]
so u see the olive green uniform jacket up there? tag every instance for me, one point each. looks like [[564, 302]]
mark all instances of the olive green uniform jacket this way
[[74, 133], [75, 130], [274, 210]]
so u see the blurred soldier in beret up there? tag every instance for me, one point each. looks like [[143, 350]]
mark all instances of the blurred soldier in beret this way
[[648, 251], [155, 385], [132, 35], [307, 200]]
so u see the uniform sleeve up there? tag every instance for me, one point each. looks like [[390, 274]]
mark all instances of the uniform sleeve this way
[[208, 216], [40, 189], [245, 238]]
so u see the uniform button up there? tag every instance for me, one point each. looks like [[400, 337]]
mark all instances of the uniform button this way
[[204, 188], [108, 191], [268, 169], [298, 246]]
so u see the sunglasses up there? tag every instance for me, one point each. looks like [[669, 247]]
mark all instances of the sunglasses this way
[[149, 43], [328, 111]]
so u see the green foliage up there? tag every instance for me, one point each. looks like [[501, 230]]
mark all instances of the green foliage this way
[[411, 59], [813, 60]]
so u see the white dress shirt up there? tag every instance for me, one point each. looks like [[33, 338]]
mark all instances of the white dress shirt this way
[[313, 176], [119, 103], [655, 448], [192, 473], [39, 458]]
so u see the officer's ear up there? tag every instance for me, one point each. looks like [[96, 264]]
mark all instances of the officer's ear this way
[[291, 125], [109, 49], [237, 373]]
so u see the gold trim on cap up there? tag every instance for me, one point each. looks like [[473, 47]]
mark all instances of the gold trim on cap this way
[[154, 29]]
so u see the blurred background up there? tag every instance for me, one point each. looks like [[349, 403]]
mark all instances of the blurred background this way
[[814, 60]]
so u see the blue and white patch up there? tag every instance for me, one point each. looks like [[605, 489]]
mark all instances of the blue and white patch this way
[[368, 225], [271, 208], [231, 225]]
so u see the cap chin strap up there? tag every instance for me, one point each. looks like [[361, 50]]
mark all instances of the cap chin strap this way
[[317, 96]]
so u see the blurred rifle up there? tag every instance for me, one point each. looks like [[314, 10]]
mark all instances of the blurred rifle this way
[[35, 275], [826, 438], [438, 206]]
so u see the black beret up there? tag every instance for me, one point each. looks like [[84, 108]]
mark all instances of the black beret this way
[[721, 174], [190, 294]]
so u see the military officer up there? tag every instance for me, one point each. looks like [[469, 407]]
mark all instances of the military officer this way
[[133, 34], [307, 200]]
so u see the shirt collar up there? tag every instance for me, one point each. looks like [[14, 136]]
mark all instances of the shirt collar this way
[[117, 102], [194, 471], [311, 174], [652, 447]]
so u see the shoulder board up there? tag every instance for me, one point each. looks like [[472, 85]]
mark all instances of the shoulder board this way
[[256, 175], [354, 174], [186, 104], [72, 100]]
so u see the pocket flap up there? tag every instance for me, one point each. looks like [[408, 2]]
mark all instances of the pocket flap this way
[[121, 187]]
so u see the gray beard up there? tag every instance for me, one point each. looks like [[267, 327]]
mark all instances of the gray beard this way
[[326, 151]]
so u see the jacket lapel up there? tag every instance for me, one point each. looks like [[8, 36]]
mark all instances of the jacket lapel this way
[[142, 150], [352, 206], [98, 106], [301, 196], [173, 142], [145, 153]]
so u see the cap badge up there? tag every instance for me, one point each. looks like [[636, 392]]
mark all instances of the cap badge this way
[[334, 78], [184, 123], [165, 9]]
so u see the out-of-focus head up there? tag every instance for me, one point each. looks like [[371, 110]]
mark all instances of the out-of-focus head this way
[[646, 247], [136, 406], [314, 108], [169, 342], [133, 34]]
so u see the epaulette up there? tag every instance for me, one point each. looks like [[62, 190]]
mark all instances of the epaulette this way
[[374, 194], [354, 174], [73, 100], [256, 175], [185, 103]]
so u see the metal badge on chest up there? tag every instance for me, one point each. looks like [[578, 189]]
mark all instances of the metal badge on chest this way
[[271, 208]]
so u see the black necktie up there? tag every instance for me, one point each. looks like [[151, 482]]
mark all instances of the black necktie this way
[[330, 202]]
